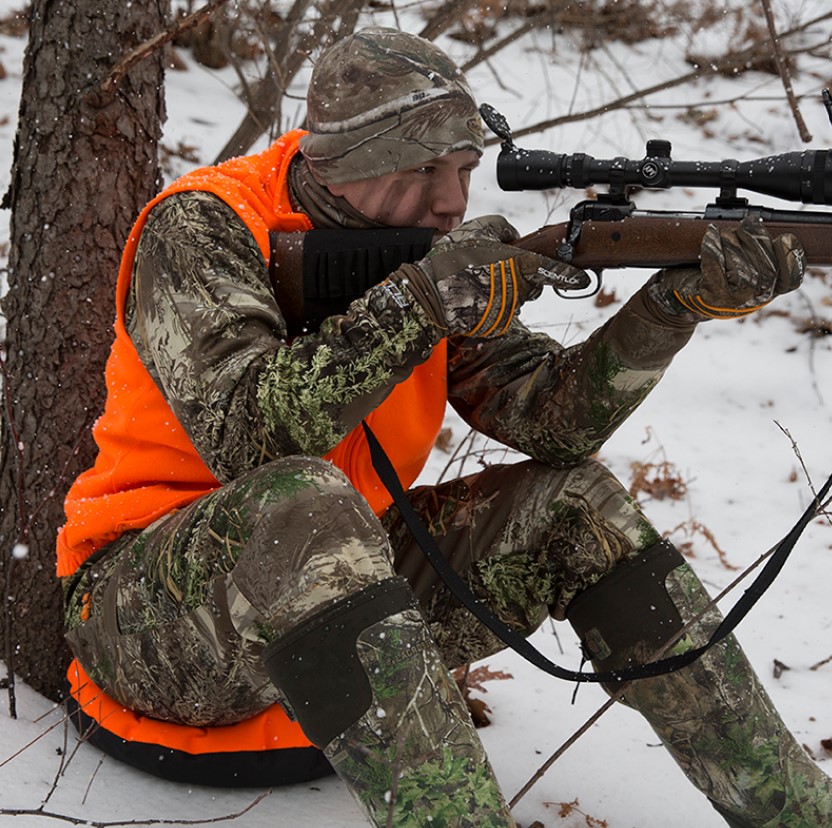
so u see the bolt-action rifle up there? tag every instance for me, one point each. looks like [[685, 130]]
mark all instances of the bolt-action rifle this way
[[609, 232]]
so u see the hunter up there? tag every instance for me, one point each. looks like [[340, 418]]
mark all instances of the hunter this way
[[244, 604]]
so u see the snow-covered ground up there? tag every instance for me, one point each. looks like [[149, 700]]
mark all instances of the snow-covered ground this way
[[718, 418]]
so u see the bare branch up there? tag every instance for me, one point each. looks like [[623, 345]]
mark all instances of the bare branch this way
[[73, 820], [290, 51], [92, 779], [821, 663], [484, 54], [714, 68], [783, 69], [29, 744], [445, 16], [796, 450]]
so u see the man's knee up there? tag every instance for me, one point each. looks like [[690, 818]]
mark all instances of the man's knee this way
[[315, 540], [595, 525], [588, 494]]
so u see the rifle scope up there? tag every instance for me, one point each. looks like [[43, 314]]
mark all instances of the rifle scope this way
[[795, 176]]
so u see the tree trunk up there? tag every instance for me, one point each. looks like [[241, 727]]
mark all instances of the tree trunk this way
[[83, 167]]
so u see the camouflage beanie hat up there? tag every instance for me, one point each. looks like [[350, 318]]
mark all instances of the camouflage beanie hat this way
[[380, 101]]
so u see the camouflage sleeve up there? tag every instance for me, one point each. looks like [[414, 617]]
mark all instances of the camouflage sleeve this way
[[559, 405], [206, 324]]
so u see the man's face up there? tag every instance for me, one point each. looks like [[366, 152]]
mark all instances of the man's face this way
[[434, 194]]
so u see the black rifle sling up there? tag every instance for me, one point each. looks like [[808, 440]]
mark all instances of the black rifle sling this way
[[387, 474], [337, 266]]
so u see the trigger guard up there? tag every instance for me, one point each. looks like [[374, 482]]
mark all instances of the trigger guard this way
[[591, 291]]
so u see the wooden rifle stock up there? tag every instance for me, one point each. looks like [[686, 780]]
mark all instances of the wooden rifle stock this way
[[655, 240]]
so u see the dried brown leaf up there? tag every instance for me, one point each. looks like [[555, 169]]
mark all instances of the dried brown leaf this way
[[605, 298], [468, 680], [658, 480], [484, 673], [443, 440], [694, 527]]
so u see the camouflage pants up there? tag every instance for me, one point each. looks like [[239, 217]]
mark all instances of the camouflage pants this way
[[172, 621]]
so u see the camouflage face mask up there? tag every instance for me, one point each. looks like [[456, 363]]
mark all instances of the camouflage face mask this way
[[381, 101]]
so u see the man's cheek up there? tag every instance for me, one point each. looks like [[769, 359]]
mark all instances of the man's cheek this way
[[407, 204]]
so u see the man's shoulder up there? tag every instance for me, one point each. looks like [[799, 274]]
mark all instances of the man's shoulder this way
[[188, 207]]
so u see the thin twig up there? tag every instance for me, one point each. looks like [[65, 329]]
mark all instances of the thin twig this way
[[821, 663], [783, 70], [22, 523], [61, 766], [92, 779], [814, 319], [485, 54], [32, 742], [822, 508], [446, 15], [714, 102], [796, 450], [468, 438], [113, 824], [287, 56]]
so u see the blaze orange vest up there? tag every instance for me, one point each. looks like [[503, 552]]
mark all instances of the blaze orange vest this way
[[146, 466]]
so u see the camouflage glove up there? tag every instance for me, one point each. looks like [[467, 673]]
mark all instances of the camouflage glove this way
[[473, 282], [741, 270]]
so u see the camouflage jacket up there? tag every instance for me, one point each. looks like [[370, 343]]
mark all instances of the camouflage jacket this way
[[204, 319]]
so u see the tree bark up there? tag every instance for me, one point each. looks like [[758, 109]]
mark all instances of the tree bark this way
[[84, 165]]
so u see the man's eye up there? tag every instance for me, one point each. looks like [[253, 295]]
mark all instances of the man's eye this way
[[426, 170]]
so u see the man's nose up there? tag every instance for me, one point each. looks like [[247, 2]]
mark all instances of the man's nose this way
[[451, 197]]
